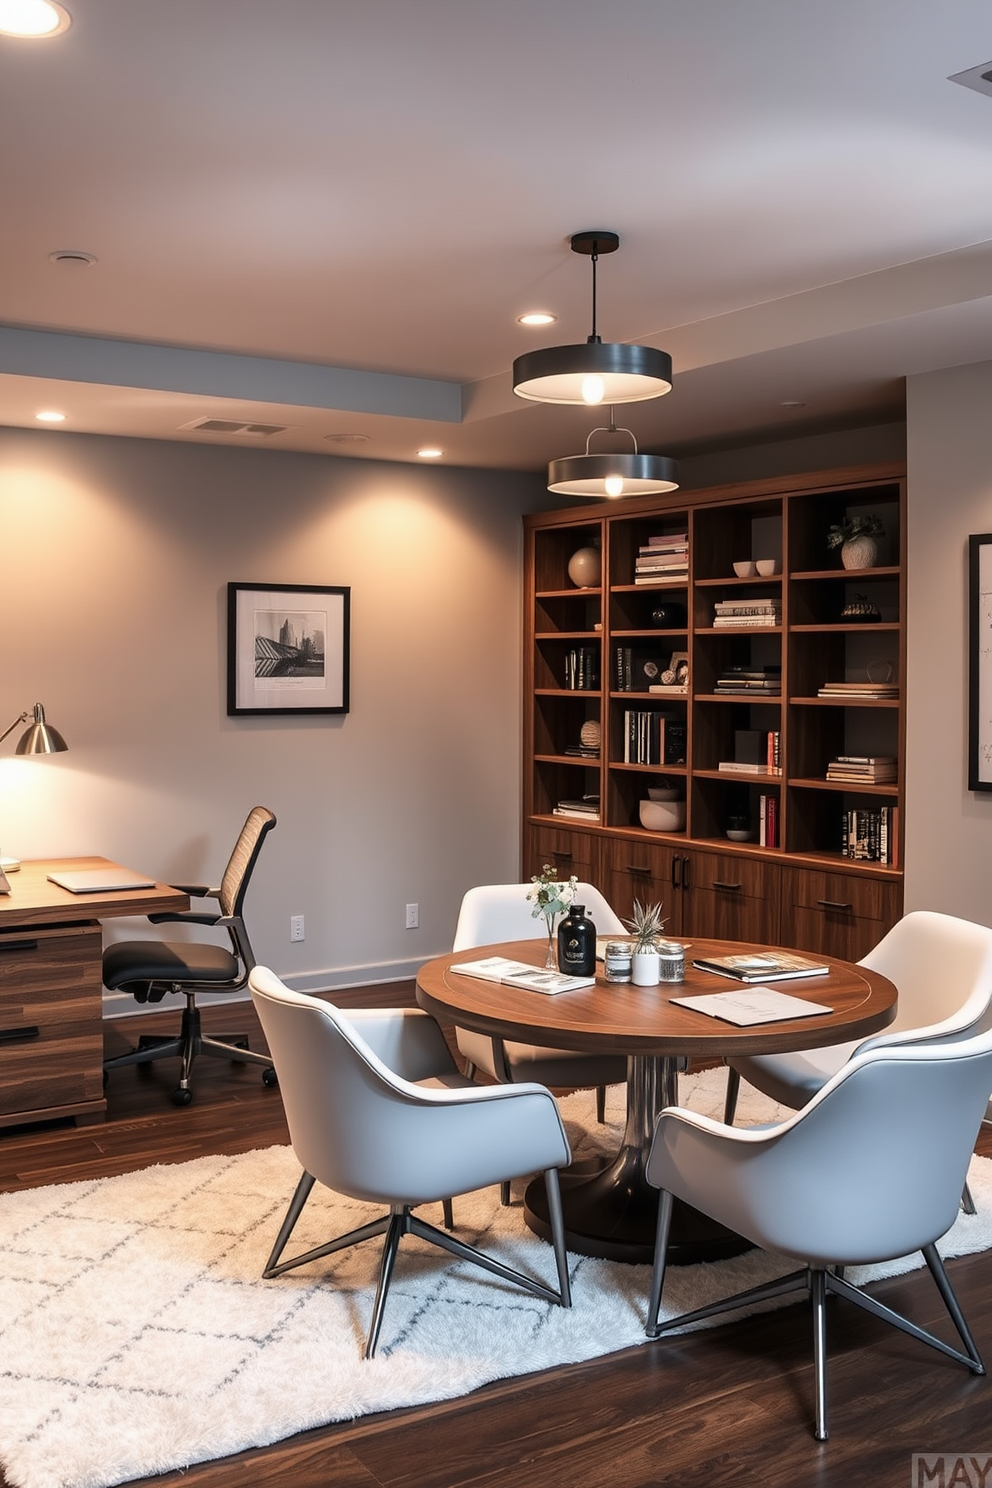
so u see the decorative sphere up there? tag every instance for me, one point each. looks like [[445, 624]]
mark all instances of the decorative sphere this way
[[668, 616], [591, 734], [585, 568]]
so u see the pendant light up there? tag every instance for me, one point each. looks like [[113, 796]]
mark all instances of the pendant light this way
[[594, 371], [620, 474]]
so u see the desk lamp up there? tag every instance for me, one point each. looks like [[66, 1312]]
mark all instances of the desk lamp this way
[[38, 738]]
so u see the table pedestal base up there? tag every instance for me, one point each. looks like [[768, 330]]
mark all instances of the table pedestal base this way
[[613, 1214]]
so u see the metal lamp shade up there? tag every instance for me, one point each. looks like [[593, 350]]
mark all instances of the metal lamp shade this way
[[557, 374], [586, 475], [39, 737]]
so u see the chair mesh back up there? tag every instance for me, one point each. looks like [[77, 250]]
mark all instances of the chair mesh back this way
[[238, 871]]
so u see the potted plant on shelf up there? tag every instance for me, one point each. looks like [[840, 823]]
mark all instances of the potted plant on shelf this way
[[855, 537], [551, 897], [646, 923]]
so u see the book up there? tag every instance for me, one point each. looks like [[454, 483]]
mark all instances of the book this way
[[762, 966], [520, 974], [759, 1005], [741, 767]]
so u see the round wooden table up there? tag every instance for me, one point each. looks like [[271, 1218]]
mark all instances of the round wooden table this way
[[612, 1211]]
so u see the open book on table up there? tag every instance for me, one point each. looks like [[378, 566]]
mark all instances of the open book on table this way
[[755, 1005], [762, 966], [521, 974]]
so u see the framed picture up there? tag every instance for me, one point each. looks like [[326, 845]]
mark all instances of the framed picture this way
[[287, 648], [980, 663]]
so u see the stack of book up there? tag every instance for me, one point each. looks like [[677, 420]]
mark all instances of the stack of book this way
[[853, 692], [653, 738], [758, 681], [662, 558], [582, 668], [584, 751], [585, 807], [863, 769], [751, 614], [870, 835]]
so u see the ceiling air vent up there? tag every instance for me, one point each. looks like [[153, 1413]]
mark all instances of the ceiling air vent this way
[[979, 78], [235, 426]]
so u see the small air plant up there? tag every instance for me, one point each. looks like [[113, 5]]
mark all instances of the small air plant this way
[[646, 924]]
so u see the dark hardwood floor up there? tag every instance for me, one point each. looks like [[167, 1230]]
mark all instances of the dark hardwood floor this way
[[730, 1406]]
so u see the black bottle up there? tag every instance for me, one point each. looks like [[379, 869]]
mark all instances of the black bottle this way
[[577, 943]]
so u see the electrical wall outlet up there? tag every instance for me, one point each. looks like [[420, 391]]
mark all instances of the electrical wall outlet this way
[[412, 916], [297, 927]]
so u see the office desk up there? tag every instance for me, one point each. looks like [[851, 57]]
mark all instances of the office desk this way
[[612, 1212], [51, 990]]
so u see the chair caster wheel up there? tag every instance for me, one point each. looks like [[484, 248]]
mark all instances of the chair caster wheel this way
[[270, 1079], [181, 1097]]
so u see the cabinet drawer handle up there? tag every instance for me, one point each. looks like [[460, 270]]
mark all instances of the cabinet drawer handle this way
[[10, 946], [566, 857], [732, 888], [676, 873], [685, 874], [638, 872], [832, 904], [17, 1035]]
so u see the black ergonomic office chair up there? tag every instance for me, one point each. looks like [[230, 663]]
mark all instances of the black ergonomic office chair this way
[[150, 968]]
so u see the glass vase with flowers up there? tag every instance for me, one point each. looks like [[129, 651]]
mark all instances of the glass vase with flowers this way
[[551, 897]]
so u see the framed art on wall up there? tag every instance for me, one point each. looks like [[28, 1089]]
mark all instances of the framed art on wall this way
[[287, 648], [980, 662]]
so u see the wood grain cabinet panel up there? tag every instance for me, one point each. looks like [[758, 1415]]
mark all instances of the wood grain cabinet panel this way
[[51, 1023], [837, 914], [732, 897]]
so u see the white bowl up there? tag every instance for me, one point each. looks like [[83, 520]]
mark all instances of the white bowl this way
[[745, 569], [662, 816], [766, 566], [738, 834]]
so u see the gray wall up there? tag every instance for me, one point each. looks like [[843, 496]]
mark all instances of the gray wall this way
[[948, 827], [114, 560]]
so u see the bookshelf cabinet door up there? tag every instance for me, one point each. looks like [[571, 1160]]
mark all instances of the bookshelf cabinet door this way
[[732, 897], [837, 914], [568, 852], [649, 872]]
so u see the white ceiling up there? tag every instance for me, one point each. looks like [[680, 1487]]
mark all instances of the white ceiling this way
[[328, 213]]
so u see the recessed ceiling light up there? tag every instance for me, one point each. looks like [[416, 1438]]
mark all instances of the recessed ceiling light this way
[[74, 257], [347, 438], [430, 453], [33, 18], [50, 416], [536, 318]]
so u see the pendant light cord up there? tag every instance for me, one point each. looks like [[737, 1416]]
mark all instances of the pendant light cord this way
[[594, 338]]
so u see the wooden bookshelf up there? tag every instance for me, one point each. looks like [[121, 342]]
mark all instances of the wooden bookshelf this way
[[802, 891]]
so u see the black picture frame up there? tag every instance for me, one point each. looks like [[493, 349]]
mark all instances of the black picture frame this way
[[980, 662], [288, 648]]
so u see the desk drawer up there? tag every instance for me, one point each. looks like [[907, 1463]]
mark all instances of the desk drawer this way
[[51, 1019]]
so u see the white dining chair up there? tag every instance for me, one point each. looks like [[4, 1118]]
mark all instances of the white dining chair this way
[[377, 1111], [870, 1169]]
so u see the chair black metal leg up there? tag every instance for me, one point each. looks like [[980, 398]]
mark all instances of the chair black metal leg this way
[[730, 1101], [425, 1231], [553, 1190], [936, 1266], [972, 1360], [449, 1214], [665, 1205], [296, 1203], [601, 1104], [967, 1202], [504, 1195], [398, 1225], [818, 1291]]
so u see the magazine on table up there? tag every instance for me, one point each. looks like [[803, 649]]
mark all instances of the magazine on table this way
[[762, 966], [756, 1005], [522, 974]]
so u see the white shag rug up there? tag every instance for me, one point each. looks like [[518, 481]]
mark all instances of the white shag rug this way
[[136, 1335]]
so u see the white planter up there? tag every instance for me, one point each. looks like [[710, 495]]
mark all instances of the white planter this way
[[644, 969], [859, 552]]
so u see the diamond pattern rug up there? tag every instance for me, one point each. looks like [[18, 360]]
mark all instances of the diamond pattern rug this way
[[137, 1336]]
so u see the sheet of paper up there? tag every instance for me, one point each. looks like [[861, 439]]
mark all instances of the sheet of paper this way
[[756, 1005]]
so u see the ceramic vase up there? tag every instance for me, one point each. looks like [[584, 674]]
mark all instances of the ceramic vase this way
[[550, 960], [644, 968], [859, 552]]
